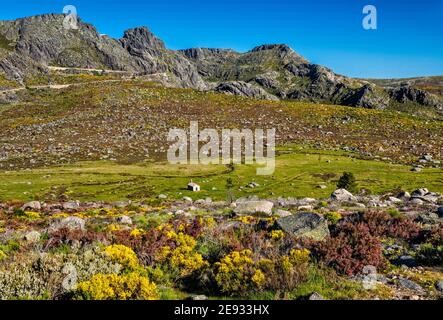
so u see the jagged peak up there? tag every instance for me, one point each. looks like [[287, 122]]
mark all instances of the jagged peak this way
[[141, 38], [279, 47], [201, 53]]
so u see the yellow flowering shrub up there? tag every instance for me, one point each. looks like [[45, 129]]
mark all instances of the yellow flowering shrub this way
[[123, 255], [236, 273], [31, 215], [136, 233], [259, 278], [113, 228], [131, 286], [2, 255], [208, 222], [333, 217], [299, 256], [182, 260], [276, 234], [245, 219]]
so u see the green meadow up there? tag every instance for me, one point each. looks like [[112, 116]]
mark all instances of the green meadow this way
[[297, 174]]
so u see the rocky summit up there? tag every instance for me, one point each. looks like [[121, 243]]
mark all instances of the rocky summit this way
[[29, 46]]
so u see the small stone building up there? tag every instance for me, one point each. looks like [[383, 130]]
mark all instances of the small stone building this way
[[193, 187]]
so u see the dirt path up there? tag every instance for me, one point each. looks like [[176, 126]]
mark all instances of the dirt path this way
[[89, 70], [59, 86]]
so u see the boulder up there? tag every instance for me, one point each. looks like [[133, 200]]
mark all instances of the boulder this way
[[282, 213], [439, 285], [124, 220], [416, 201], [342, 195], [33, 205], [404, 195], [419, 193], [394, 200], [427, 218], [251, 207], [316, 296], [32, 236], [187, 199], [407, 261], [409, 284], [305, 225], [72, 223], [71, 205]]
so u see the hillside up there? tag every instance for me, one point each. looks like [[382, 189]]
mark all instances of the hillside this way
[[272, 71]]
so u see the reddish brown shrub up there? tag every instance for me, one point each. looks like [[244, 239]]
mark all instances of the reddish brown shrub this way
[[350, 248], [67, 236], [381, 224]]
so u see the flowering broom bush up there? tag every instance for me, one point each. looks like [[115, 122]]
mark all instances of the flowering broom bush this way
[[131, 286]]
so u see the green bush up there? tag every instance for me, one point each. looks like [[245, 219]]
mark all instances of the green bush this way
[[347, 181]]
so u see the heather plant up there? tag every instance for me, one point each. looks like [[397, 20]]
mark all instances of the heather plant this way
[[382, 224], [350, 248]]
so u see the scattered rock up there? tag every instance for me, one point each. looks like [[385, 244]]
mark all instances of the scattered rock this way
[[71, 205], [427, 218], [33, 205], [124, 220], [404, 195], [409, 284], [394, 200], [282, 213], [32, 236], [162, 196], [439, 285], [316, 296], [72, 223], [407, 261], [416, 201], [305, 225], [187, 199], [342, 195], [251, 207], [419, 193]]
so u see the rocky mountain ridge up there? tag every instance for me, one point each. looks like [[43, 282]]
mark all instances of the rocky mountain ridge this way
[[272, 71]]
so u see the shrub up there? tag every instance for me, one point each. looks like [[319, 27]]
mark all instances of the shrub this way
[[350, 249], [122, 255], [382, 224], [347, 181], [33, 276], [429, 254], [238, 274], [131, 286], [333, 217], [276, 235], [181, 259], [234, 273]]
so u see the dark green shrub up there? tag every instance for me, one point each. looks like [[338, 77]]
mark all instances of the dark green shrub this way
[[347, 181]]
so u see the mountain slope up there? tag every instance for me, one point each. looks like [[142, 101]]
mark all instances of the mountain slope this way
[[274, 71]]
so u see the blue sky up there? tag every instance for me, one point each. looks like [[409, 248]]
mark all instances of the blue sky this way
[[408, 41]]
